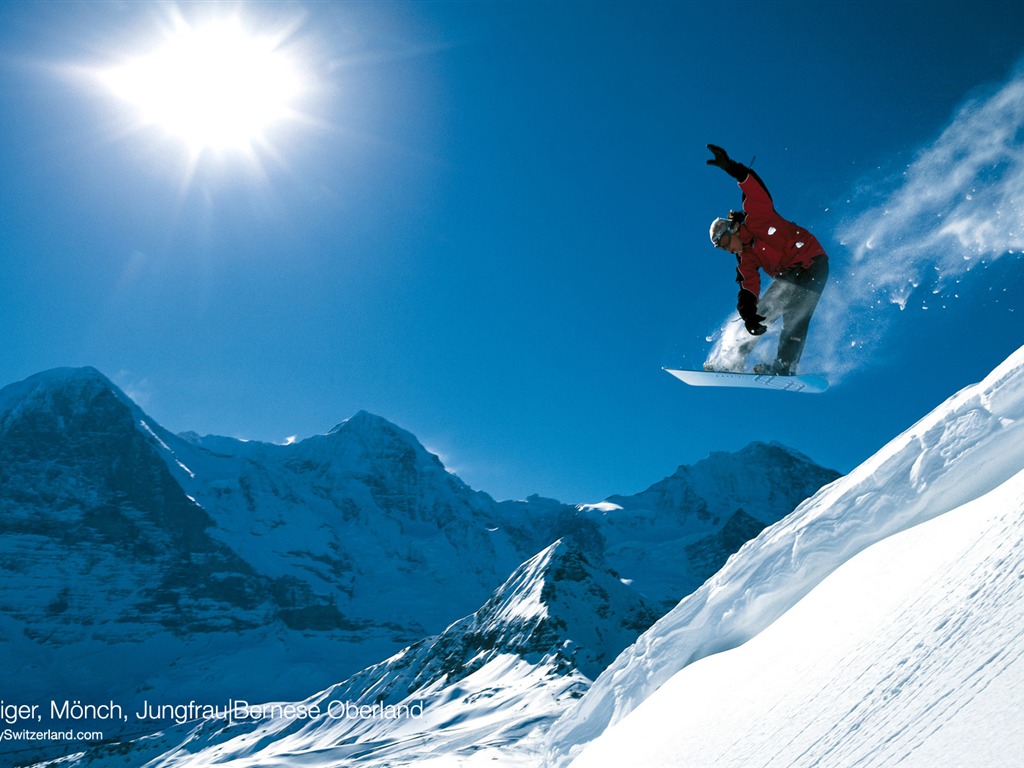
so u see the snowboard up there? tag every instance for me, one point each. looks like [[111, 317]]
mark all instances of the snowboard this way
[[801, 383]]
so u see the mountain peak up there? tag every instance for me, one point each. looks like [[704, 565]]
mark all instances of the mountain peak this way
[[375, 438], [760, 450], [40, 385], [69, 376], [757, 461], [555, 606], [65, 397], [364, 422], [557, 597]]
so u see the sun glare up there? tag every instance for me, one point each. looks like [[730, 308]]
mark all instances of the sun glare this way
[[215, 86]]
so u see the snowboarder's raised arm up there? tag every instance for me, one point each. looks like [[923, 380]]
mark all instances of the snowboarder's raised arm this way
[[722, 160], [757, 201], [738, 171]]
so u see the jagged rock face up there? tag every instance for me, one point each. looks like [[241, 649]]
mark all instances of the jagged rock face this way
[[557, 605], [90, 513], [361, 528], [706, 555], [668, 539], [557, 608]]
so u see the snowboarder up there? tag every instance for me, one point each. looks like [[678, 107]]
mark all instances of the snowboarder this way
[[762, 240]]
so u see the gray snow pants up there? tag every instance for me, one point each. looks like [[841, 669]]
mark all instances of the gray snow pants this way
[[793, 296]]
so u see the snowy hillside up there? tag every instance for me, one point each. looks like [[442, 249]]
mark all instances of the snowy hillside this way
[[910, 653], [970, 449]]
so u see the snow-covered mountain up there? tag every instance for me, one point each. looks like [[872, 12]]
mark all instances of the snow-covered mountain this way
[[158, 557], [136, 563], [668, 539], [854, 631], [492, 679]]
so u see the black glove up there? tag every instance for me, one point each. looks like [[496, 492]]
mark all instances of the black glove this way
[[755, 325], [721, 157], [722, 160]]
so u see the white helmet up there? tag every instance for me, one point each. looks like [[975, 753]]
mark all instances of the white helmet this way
[[720, 228]]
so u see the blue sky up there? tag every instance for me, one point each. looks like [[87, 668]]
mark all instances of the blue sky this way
[[487, 222]]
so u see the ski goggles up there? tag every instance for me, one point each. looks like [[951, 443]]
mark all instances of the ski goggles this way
[[729, 230]]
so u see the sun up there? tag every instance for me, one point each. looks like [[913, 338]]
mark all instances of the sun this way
[[214, 86]]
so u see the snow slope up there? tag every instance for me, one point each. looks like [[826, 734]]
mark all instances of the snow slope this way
[[964, 449], [910, 653]]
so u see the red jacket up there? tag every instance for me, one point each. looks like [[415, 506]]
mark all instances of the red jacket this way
[[770, 242]]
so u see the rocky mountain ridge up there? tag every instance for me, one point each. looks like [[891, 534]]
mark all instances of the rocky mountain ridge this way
[[501, 673]]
